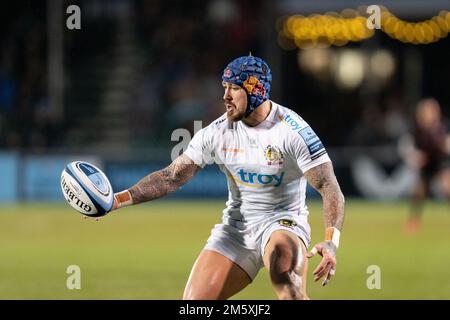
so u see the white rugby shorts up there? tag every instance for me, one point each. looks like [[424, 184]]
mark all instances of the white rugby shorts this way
[[244, 244]]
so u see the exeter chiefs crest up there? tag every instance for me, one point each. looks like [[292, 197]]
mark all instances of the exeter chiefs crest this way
[[273, 155]]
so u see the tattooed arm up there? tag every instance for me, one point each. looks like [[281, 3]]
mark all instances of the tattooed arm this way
[[158, 183], [322, 178]]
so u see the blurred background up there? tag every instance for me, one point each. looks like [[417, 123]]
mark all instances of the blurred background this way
[[112, 86]]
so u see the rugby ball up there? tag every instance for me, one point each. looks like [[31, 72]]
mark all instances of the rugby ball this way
[[87, 189]]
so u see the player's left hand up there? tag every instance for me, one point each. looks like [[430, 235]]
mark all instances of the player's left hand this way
[[327, 266]]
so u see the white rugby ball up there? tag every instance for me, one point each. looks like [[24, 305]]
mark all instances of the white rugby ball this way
[[87, 189]]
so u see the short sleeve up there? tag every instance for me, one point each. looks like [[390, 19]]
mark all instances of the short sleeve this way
[[200, 148], [308, 149]]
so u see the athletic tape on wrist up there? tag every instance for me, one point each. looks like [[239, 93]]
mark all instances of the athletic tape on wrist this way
[[123, 199], [332, 234]]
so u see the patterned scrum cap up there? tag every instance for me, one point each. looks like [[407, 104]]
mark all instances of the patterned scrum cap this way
[[254, 75]]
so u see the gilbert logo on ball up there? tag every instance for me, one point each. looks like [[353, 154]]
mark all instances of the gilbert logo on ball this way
[[87, 189]]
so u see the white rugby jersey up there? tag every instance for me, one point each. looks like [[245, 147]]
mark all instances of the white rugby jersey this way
[[264, 165]]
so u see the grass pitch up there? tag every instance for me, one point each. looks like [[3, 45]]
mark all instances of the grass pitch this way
[[147, 251]]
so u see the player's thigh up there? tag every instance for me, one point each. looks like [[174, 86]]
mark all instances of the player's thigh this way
[[214, 276], [444, 177], [285, 252], [420, 186]]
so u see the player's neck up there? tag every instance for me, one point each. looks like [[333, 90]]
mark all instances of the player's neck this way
[[259, 114]]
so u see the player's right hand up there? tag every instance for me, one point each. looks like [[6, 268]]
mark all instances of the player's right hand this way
[[122, 199], [420, 159], [114, 207], [115, 204], [327, 266]]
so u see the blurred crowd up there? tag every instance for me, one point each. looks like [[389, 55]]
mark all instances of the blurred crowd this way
[[24, 117], [185, 51], [382, 123]]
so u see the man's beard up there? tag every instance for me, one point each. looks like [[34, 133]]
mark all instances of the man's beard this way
[[235, 115]]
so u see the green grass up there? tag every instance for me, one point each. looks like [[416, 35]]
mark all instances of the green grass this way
[[147, 251]]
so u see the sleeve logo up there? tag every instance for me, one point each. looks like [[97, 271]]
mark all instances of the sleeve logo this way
[[312, 141]]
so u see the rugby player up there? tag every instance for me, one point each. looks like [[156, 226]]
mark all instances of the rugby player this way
[[268, 153], [430, 156]]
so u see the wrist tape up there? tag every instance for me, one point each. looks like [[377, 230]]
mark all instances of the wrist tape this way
[[332, 234], [123, 199]]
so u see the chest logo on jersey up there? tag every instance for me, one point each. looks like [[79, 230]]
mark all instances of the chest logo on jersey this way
[[273, 155], [253, 179]]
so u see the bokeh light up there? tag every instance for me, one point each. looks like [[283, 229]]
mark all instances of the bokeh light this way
[[338, 29]]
